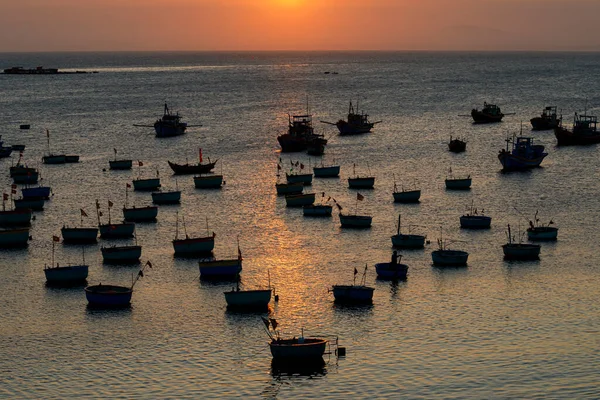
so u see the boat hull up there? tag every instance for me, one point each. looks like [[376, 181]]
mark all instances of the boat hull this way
[[475, 222], [299, 200], [169, 130], [352, 294], [108, 295], [297, 349], [66, 275], [146, 184], [79, 235], [480, 117], [305, 179], [458, 184], [317, 210], [412, 196], [544, 124], [40, 192], [71, 159], [31, 204], [28, 178], [248, 299], [15, 217], [546, 233], [192, 246], [564, 137], [449, 258], [289, 188], [521, 251], [346, 128], [408, 241], [113, 231], [54, 159], [126, 254], [140, 214], [389, 271], [291, 144], [14, 238], [361, 183], [355, 221], [208, 182], [120, 164], [187, 169], [327, 172], [511, 162], [220, 269], [166, 197], [457, 146]]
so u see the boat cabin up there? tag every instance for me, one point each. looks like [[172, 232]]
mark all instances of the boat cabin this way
[[491, 109], [585, 123]]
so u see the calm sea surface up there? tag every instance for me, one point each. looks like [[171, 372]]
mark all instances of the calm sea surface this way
[[495, 329]]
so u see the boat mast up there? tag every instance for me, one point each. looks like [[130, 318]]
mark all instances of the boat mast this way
[[176, 225], [109, 203], [399, 215]]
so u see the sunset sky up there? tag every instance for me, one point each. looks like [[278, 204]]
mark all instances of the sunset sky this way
[[90, 25]]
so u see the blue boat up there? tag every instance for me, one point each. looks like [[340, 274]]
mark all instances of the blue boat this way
[[33, 204], [20, 217], [69, 274], [12, 238], [140, 214], [220, 269], [208, 181], [173, 197], [146, 184], [523, 155], [121, 254], [38, 192]]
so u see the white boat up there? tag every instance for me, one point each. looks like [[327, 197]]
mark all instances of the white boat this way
[[407, 241]]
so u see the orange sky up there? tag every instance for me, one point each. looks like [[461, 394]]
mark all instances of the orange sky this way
[[88, 25]]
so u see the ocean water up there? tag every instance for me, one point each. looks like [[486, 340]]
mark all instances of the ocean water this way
[[495, 329]]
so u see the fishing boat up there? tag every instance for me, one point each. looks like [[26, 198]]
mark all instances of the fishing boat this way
[[316, 147], [358, 182], [406, 196], [188, 169], [116, 230], [407, 241], [15, 217], [489, 113], [294, 350], [113, 295], [164, 197], [18, 147], [289, 188], [79, 235], [393, 269], [300, 134], [220, 269], [520, 251], [121, 254], [299, 177], [584, 131], [443, 257], [453, 183], [119, 164], [353, 293], [475, 220], [329, 171], [65, 275], [248, 299], [140, 214], [146, 184], [548, 120], [14, 237], [299, 200], [168, 125], [71, 158], [317, 210], [457, 145], [5, 151], [32, 204], [53, 158], [354, 220], [523, 155], [192, 246], [38, 192], [208, 181], [357, 122], [541, 232], [24, 126], [23, 174]]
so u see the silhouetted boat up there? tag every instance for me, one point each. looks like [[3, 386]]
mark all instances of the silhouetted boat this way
[[113, 231], [299, 200], [140, 214], [457, 145], [585, 131], [489, 113], [71, 158], [353, 293], [208, 181], [65, 275], [357, 122], [169, 124], [38, 192], [23, 174], [443, 257], [520, 251], [12, 238], [300, 134], [79, 235], [5, 151], [21, 217], [289, 188], [407, 241], [33, 204], [119, 164], [453, 183], [358, 182], [182, 169], [192, 246], [474, 220], [354, 220], [220, 269], [171, 197], [541, 232], [317, 210], [146, 184], [294, 350], [406, 196], [548, 120], [112, 295], [121, 254], [391, 271], [295, 177], [524, 154], [331, 171]]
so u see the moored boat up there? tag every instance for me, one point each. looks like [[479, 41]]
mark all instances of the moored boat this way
[[406, 196], [458, 183], [79, 235], [489, 113], [113, 230], [475, 220], [443, 257], [192, 246], [220, 269], [515, 250], [21, 217], [300, 133], [523, 155], [257, 299], [71, 158], [112, 295], [317, 210], [331, 171], [208, 181], [391, 271], [146, 184], [357, 122], [54, 159], [289, 188], [183, 169], [584, 131], [38, 192], [355, 221], [65, 275], [358, 182], [541, 232], [13, 238], [353, 293], [32, 204], [299, 200], [457, 145], [170, 197], [305, 179], [121, 254], [407, 241], [119, 164], [549, 119], [140, 214]]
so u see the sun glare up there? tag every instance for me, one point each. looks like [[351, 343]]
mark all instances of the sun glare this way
[[287, 3]]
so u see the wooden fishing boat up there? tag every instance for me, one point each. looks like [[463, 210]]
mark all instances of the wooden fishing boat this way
[[520, 251], [192, 246], [79, 235], [299, 200], [474, 220], [112, 295], [406, 196], [300, 134], [488, 114], [289, 188], [13, 238], [71, 158], [353, 293], [584, 131], [305, 179], [407, 241], [317, 210], [295, 349], [120, 164], [140, 214], [208, 181], [458, 183], [457, 145], [355, 221], [24, 175], [523, 155], [65, 275], [444, 257], [220, 269], [54, 159], [146, 184], [541, 232], [331, 171], [20, 217], [121, 254], [168, 125], [358, 182], [549, 119], [117, 231], [183, 169], [357, 122], [248, 299], [171, 197], [32, 204]]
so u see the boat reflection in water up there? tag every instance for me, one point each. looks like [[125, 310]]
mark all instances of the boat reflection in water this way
[[304, 368]]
